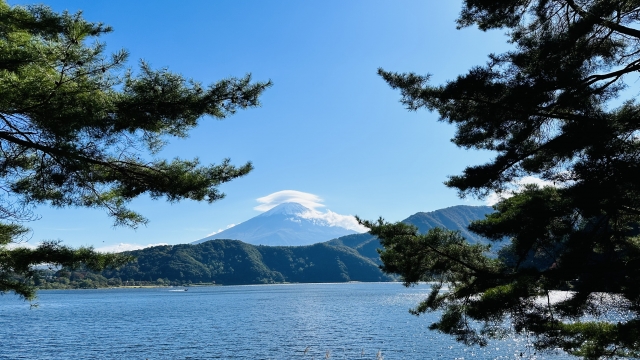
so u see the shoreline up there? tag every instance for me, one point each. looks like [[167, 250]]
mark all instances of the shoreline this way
[[210, 285]]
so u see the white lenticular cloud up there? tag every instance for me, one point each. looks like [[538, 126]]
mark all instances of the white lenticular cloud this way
[[494, 198], [312, 202], [334, 219], [270, 201], [125, 247]]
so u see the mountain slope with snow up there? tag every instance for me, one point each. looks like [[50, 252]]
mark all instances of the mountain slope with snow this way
[[289, 224]]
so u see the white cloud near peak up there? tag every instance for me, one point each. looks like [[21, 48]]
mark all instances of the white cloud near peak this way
[[312, 202], [270, 201], [334, 219], [494, 198]]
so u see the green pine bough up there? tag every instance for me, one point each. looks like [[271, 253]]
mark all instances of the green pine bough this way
[[553, 108], [79, 128]]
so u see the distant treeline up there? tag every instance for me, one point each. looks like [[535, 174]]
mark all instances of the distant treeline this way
[[86, 279], [236, 262], [226, 262]]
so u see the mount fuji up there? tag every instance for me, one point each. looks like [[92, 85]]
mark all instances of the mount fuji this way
[[289, 224]]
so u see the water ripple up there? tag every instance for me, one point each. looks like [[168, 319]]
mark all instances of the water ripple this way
[[305, 321]]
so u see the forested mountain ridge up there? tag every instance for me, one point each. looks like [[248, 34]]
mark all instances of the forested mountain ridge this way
[[452, 218], [235, 262]]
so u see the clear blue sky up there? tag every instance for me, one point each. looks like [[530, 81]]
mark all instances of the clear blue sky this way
[[329, 126]]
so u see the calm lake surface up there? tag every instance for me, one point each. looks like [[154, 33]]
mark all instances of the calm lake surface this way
[[344, 321]]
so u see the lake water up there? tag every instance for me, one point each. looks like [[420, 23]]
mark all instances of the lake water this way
[[300, 321]]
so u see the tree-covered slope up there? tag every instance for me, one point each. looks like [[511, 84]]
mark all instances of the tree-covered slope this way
[[235, 262], [321, 263], [365, 244]]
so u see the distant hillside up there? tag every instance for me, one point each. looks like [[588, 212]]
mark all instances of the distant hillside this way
[[235, 262], [452, 218]]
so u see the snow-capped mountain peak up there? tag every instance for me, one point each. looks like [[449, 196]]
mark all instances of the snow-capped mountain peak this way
[[289, 224], [288, 208]]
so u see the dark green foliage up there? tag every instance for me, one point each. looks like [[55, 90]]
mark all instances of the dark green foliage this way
[[231, 262], [80, 278], [222, 262], [18, 271], [79, 129], [551, 108]]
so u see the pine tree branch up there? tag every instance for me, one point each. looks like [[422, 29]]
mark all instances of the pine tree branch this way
[[634, 66], [607, 23]]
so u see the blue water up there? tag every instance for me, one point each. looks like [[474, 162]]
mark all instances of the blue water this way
[[301, 321]]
